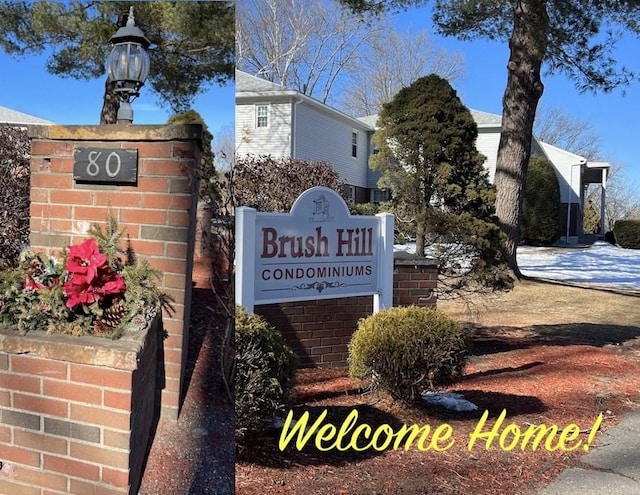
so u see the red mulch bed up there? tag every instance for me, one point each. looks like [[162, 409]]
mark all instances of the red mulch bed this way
[[195, 455], [538, 378]]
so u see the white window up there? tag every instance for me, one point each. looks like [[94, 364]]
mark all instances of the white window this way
[[354, 144], [352, 194], [379, 195], [262, 115]]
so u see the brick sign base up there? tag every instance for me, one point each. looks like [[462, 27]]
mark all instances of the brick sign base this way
[[319, 331]]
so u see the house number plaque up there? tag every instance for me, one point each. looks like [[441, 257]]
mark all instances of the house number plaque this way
[[103, 165]]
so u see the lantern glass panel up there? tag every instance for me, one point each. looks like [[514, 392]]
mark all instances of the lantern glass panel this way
[[128, 62]]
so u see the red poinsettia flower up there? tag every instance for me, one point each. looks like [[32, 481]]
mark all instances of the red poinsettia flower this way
[[79, 292], [85, 259], [90, 278], [110, 282]]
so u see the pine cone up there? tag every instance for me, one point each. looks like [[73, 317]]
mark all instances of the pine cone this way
[[111, 317]]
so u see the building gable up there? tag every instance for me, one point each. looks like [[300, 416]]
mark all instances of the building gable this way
[[13, 117], [300, 127]]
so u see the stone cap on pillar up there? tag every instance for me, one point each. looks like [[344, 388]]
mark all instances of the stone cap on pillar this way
[[117, 132], [402, 258]]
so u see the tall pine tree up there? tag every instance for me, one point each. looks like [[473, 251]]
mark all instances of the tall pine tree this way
[[577, 39], [192, 43]]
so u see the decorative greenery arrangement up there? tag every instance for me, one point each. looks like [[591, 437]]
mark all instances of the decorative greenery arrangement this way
[[408, 350], [95, 288]]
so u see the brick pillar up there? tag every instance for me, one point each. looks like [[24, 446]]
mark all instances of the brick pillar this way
[[158, 212], [415, 281]]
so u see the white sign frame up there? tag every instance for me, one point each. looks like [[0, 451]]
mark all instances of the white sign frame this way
[[346, 255]]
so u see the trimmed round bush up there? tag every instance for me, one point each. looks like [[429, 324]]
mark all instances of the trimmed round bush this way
[[627, 233], [263, 373], [408, 350]]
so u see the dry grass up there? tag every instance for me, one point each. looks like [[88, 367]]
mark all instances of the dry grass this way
[[539, 303]]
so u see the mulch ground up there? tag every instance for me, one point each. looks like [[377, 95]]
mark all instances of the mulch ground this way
[[547, 354], [195, 455], [539, 373]]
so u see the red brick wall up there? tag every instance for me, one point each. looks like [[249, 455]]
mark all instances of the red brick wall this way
[[157, 213], [415, 281], [319, 331], [76, 414]]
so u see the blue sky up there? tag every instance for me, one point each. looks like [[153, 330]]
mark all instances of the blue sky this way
[[26, 86], [614, 116]]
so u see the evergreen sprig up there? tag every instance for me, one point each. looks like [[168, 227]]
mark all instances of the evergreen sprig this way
[[109, 240]]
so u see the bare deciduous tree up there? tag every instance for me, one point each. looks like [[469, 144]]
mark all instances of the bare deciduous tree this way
[[391, 61], [301, 44], [554, 126], [224, 147]]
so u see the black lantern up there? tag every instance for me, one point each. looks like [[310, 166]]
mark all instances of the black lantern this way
[[128, 65]]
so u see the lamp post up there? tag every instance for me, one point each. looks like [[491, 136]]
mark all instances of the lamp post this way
[[128, 65]]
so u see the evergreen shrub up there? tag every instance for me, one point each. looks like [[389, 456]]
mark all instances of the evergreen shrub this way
[[541, 207], [263, 373], [407, 350], [610, 237], [440, 190], [627, 233], [366, 209]]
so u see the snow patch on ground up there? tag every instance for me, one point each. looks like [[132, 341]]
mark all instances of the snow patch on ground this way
[[600, 264], [449, 400]]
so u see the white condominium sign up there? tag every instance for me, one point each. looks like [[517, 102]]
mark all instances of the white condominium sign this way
[[316, 251]]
